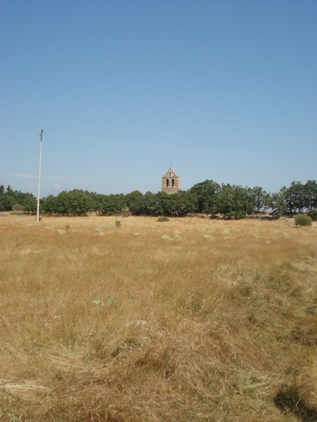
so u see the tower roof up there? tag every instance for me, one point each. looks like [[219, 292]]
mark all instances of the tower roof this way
[[171, 173]]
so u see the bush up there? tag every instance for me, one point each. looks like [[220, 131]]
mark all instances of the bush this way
[[162, 219], [312, 214], [238, 215], [303, 220], [17, 207]]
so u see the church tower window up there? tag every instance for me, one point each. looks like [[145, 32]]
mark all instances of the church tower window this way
[[171, 182]]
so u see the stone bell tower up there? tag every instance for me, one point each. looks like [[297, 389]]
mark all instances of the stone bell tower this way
[[171, 181]]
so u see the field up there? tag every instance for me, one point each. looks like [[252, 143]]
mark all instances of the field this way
[[131, 319]]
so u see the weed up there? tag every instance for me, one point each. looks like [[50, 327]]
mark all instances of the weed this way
[[98, 302], [111, 300], [166, 237]]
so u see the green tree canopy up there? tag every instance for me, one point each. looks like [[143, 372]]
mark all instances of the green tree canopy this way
[[310, 189], [10, 198], [75, 202], [134, 201], [295, 197], [207, 196], [110, 204]]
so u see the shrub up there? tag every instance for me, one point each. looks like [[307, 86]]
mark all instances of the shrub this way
[[238, 215], [312, 214], [17, 207], [162, 218], [303, 220]]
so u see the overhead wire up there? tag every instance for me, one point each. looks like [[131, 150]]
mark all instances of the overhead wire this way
[[77, 138]]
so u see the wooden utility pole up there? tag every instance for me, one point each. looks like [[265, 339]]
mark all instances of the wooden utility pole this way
[[39, 181]]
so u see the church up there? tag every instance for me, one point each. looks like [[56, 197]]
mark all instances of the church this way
[[171, 181]]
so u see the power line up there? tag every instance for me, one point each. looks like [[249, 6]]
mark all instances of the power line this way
[[119, 142], [16, 132], [77, 138], [197, 148]]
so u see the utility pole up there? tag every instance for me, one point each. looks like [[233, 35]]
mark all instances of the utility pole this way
[[39, 181]]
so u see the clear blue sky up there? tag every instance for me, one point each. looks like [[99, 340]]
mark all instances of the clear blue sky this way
[[225, 90]]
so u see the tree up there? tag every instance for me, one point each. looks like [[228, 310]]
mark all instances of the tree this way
[[207, 196], [162, 203], [110, 204], [295, 197], [75, 202], [134, 201], [312, 214], [242, 204], [5, 202], [17, 199], [49, 205], [277, 202], [94, 200], [259, 199], [182, 203], [226, 200], [233, 201], [29, 203], [150, 204], [310, 192]]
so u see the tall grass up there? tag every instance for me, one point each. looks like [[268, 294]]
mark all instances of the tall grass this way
[[192, 320]]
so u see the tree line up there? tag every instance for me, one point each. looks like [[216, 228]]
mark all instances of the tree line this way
[[208, 197]]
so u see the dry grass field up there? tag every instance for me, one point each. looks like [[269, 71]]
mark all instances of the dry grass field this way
[[139, 320]]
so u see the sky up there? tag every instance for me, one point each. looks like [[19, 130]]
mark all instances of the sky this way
[[224, 90]]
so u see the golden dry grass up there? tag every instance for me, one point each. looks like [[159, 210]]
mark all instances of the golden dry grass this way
[[186, 320]]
